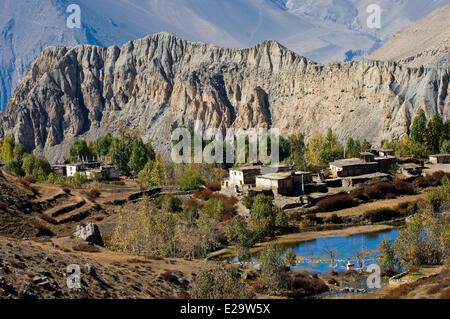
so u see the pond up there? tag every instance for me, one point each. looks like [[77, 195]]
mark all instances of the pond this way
[[312, 255]]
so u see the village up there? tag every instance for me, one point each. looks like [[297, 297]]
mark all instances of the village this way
[[292, 189]]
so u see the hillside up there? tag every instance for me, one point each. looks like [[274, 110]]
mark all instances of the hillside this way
[[321, 30], [426, 42], [162, 81]]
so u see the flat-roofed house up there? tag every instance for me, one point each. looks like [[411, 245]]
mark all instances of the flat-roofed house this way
[[440, 159], [280, 183], [353, 167], [244, 175]]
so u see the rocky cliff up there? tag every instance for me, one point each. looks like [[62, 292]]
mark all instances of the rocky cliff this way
[[160, 82], [426, 42]]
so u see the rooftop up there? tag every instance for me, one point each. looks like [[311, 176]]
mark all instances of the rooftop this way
[[276, 176], [351, 162]]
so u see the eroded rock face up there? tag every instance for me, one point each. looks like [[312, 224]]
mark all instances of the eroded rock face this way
[[160, 82]]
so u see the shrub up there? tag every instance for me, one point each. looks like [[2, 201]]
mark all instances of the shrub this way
[[404, 188], [203, 194], [420, 182], [93, 193], [214, 208], [381, 214], [169, 203], [86, 248], [358, 194], [192, 203], [335, 202], [334, 219], [379, 190], [215, 186], [190, 180], [239, 235], [169, 277]]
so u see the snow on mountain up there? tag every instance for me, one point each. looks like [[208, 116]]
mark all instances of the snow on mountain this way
[[322, 30]]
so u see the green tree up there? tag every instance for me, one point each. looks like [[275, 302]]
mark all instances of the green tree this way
[[352, 148], [265, 216], [102, 145], [7, 149], [19, 151], [297, 149], [15, 166], [190, 179], [37, 167], [419, 127], [239, 235], [445, 147], [138, 157], [80, 150], [389, 262], [290, 259], [214, 208], [271, 262], [434, 132]]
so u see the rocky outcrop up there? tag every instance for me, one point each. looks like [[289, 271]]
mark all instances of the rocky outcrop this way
[[424, 43], [160, 82]]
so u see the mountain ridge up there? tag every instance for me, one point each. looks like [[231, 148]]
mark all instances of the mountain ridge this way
[[160, 82]]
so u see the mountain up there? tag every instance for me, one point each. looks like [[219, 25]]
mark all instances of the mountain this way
[[426, 42], [322, 30], [160, 82]]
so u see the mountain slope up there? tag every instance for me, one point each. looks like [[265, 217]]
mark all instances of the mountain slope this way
[[426, 41], [160, 82], [322, 30]]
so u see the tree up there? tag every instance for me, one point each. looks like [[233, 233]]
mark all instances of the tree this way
[[297, 149], [445, 147], [214, 208], [239, 235], [153, 174], [352, 148], [389, 261], [15, 166], [262, 218], [290, 258], [190, 180], [220, 283], [102, 145], [37, 167], [419, 127], [271, 263], [7, 149], [323, 150], [434, 132], [138, 157]]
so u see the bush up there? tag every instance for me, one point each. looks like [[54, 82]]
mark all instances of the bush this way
[[203, 194], [93, 193], [190, 180], [358, 194], [379, 190], [420, 182], [404, 188], [334, 219], [86, 248], [335, 202], [215, 186], [214, 208], [169, 203], [192, 203], [220, 283]]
